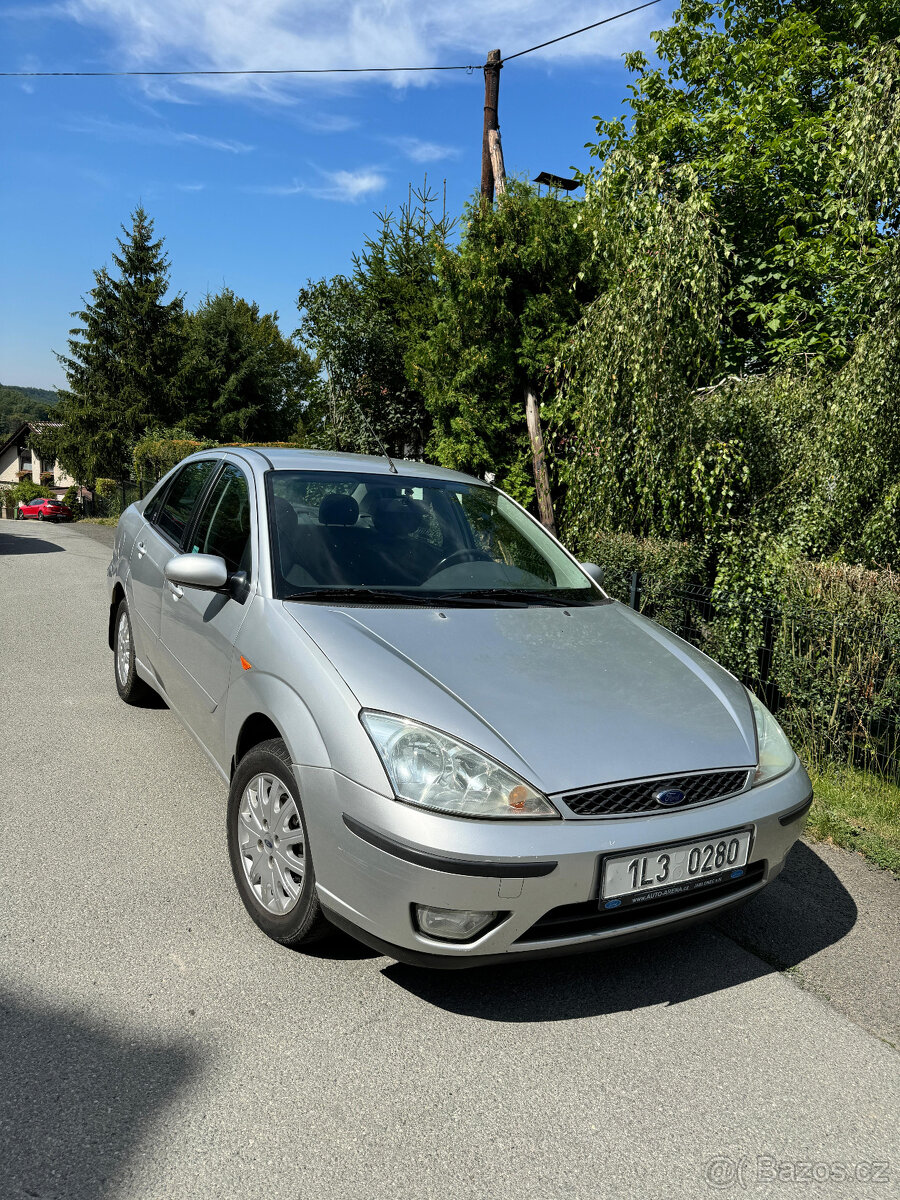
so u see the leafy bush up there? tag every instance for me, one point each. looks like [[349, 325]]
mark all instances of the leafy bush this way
[[26, 489], [835, 662], [158, 452], [72, 499], [668, 573], [107, 498]]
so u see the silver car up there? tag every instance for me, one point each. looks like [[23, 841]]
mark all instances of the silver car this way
[[438, 733]]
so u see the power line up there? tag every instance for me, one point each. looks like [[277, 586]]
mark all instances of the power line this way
[[584, 29], [470, 67], [242, 71]]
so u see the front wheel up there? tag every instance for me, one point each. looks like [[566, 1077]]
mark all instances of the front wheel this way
[[129, 684], [269, 848]]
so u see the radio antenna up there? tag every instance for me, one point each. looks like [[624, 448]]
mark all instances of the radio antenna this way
[[368, 423]]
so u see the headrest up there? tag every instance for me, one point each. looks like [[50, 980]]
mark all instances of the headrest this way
[[285, 516], [336, 509], [374, 497], [396, 518]]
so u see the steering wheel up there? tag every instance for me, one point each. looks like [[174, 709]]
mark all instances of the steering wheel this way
[[460, 556]]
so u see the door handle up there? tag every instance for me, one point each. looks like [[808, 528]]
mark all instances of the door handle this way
[[176, 591], [141, 549]]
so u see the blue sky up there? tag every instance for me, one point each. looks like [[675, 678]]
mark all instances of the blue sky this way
[[262, 183]]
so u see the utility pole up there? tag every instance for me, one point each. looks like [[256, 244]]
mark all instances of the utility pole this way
[[493, 175], [491, 97], [497, 164], [539, 461]]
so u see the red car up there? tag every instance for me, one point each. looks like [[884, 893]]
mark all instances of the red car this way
[[45, 510]]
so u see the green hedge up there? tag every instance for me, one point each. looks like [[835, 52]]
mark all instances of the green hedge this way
[[835, 662], [669, 572]]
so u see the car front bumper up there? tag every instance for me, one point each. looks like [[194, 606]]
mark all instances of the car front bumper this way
[[376, 858]]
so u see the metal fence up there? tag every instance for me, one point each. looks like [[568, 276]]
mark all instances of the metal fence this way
[[114, 502]]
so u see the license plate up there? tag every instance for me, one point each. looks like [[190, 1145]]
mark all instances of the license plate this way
[[686, 863]]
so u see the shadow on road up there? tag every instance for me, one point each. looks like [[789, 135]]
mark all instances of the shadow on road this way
[[17, 543], [806, 909], [75, 1099]]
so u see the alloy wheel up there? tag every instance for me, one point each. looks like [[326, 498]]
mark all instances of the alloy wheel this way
[[123, 649], [271, 843]]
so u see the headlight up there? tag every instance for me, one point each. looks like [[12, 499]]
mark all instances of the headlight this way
[[436, 771], [775, 753]]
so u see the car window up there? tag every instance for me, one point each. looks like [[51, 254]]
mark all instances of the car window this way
[[377, 532], [223, 527], [183, 493]]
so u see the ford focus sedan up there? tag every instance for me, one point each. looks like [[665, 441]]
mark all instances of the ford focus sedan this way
[[437, 732]]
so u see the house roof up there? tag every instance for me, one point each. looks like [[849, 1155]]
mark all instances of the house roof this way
[[37, 427]]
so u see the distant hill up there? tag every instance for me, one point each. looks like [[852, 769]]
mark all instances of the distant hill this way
[[18, 404]]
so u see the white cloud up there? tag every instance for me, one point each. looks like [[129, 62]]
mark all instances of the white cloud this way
[[190, 187], [423, 152], [345, 187], [152, 135], [230, 34]]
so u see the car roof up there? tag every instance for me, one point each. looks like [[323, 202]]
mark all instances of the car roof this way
[[280, 458]]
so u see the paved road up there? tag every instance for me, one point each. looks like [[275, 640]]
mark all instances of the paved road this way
[[155, 1045]]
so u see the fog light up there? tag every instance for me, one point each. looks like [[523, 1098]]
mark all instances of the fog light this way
[[452, 924]]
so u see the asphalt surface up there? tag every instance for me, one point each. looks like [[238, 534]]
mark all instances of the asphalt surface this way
[[154, 1044]]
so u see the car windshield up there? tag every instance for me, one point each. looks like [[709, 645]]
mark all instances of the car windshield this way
[[357, 537]]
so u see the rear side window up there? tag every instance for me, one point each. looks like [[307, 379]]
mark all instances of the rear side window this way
[[183, 493], [224, 524]]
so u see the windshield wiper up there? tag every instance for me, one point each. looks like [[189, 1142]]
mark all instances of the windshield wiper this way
[[424, 599], [349, 595]]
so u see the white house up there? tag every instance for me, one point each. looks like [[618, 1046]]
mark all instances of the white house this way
[[17, 460]]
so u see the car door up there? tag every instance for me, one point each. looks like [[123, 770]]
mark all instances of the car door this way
[[158, 538], [199, 628]]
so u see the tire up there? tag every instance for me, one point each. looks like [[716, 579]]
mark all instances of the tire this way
[[129, 685], [278, 890], [40, 516]]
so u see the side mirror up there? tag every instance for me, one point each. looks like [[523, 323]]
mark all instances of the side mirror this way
[[596, 573], [206, 571]]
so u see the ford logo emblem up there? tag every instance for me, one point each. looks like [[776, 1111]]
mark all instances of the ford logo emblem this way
[[669, 798]]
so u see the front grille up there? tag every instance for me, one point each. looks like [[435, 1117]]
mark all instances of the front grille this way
[[638, 796], [581, 920]]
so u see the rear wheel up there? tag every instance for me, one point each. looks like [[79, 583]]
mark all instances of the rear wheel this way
[[129, 684], [269, 848], [40, 516]]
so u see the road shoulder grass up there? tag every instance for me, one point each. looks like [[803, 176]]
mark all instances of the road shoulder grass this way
[[859, 811]]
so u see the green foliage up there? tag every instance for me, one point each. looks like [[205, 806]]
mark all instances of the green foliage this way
[[72, 498], [124, 359], [26, 489], [755, 95], [667, 571], [157, 452], [242, 378], [856, 809], [622, 420], [835, 661], [508, 297], [363, 330], [19, 405]]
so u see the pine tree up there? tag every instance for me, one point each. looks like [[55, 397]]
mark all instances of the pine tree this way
[[124, 360], [245, 381]]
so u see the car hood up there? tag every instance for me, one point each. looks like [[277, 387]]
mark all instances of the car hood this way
[[568, 699]]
